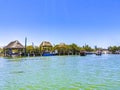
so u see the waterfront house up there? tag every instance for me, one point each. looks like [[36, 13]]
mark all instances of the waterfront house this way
[[46, 48], [62, 48], [14, 48]]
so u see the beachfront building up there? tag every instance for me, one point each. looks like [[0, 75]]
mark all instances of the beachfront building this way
[[62, 49], [14, 48], [45, 48]]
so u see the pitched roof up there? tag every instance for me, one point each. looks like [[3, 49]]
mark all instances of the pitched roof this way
[[14, 44], [61, 45], [46, 44]]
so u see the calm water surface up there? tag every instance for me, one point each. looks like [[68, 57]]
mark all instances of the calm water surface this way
[[61, 73]]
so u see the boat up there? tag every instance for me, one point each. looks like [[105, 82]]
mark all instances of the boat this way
[[99, 53], [48, 54], [82, 53]]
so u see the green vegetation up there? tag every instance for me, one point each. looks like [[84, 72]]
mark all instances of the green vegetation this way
[[72, 49], [114, 49], [87, 48], [1, 51], [33, 50], [63, 49]]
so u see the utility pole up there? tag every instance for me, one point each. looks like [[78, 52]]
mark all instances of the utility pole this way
[[25, 45]]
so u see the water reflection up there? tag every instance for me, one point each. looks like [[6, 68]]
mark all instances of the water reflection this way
[[16, 72]]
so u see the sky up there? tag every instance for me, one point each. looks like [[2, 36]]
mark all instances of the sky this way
[[92, 22]]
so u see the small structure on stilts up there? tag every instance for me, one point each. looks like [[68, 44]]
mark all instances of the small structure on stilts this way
[[46, 48], [61, 49], [14, 48]]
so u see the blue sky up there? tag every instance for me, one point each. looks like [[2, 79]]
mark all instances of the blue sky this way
[[93, 22]]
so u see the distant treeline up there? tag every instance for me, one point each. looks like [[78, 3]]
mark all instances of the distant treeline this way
[[114, 49], [72, 49]]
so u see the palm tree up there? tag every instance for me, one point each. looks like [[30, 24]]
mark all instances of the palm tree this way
[[74, 48], [61, 48], [30, 50]]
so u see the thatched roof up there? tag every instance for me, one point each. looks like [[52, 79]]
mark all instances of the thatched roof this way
[[45, 44], [61, 45], [14, 45]]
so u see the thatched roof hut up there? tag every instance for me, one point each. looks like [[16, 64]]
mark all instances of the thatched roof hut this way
[[14, 45], [62, 45], [45, 44]]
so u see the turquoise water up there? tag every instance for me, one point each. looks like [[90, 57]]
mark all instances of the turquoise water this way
[[61, 73]]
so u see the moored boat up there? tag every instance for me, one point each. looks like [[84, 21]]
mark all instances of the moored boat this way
[[48, 54], [99, 53], [82, 53]]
